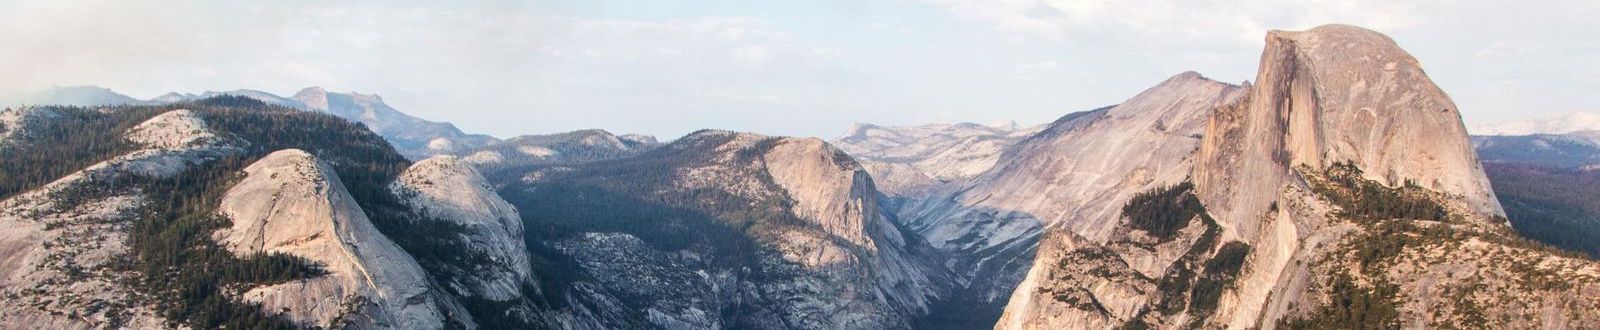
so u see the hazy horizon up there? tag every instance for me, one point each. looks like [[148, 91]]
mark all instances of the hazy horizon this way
[[783, 68]]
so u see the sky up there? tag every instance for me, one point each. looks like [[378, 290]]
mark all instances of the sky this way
[[800, 68]]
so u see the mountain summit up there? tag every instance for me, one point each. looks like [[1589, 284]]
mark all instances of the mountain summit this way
[[1340, 191]]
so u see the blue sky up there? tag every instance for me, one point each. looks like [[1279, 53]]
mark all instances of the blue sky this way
[[808, 68]]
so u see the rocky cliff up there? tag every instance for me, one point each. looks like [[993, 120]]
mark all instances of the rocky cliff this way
[[1332, 195], [289, 202], [722, 229], [1071, 176]]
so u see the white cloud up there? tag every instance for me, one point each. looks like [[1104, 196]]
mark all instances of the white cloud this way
[[783, 67], [1166, 25]]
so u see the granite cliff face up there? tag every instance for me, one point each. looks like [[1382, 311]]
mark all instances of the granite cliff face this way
[[1343, 175], [290, 202], [726, 230], [1337, 94]]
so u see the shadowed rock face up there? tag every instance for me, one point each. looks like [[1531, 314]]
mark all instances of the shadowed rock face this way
[[289, 202]]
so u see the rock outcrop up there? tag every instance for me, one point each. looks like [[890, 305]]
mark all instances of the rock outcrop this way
[[787, 231], [289, 202], [1336, 94], [62, 245], [1340, 192], [1072, 176], [443, 188], [14, 123]]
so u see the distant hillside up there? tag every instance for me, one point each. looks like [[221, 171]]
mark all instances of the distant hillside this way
[[1549, 185]]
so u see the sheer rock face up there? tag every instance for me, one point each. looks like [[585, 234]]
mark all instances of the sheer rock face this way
[[862, 251], [289, 202], [445, 189], [829, 190], [1336, 94], [60, 255]]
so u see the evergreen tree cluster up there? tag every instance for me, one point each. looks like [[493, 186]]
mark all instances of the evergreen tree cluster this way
[[1368, 201], [1557, 206], [1164, 211]]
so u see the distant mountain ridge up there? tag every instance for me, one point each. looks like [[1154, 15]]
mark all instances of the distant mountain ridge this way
[[907, 160], [413, 137], [1548, 184], [1559, 124]]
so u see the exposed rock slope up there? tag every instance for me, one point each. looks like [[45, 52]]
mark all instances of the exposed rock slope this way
[[445, 189], [1073, 175], [1337, 94], [681, 233], [62, 247], [289, 202], [1342, 192], [14, 123]]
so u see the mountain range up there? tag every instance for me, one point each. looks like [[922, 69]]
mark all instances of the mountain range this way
[[1339, 189]]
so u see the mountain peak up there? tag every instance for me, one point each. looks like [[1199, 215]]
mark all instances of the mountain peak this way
[[314, 97]]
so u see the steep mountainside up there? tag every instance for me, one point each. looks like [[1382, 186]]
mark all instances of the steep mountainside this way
[[909, 160], [181, 225], [1341, 192], [291, 203], [723, 230], [1073, 175], [1547, 184], [63, 245]]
